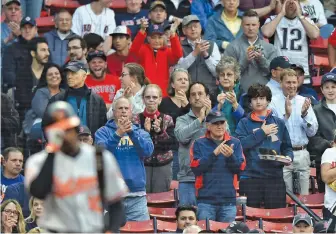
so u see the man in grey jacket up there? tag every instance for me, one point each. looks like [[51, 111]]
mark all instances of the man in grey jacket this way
[[200, 57], [190, 127], [59, 37], [252, 52]]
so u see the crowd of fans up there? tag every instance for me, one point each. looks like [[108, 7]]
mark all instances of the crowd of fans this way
[[208, 93]]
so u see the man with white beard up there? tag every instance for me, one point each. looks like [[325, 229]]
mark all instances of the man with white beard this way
[[105, 85]]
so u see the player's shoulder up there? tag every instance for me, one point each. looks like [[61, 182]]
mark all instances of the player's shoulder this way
[[37, 158]]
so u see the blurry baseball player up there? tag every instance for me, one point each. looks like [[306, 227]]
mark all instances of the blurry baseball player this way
[[69, 176]]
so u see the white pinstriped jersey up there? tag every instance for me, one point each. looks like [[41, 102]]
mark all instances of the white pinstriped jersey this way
[[290, 40], [85, 21], [74, 205]]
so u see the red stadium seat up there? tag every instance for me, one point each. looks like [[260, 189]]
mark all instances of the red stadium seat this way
[[252, 224], [270, 227], [202, 224], [318, 62], [313, 172], [314, 201], [165, 199], [45, 22], [174, 184], [239, 215], [165, 214], [318, 212], [319, 43], [163, 226], [138, 227], [280, 215]]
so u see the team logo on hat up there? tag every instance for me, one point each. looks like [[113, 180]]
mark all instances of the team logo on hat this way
[[286, 58], [28, 18], [81, 129], [330, 76], [156, 27]]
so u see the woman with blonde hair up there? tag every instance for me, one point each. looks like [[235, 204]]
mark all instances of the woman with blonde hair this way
[[12, 220], [133, 82], [161, 129], [36, 210]]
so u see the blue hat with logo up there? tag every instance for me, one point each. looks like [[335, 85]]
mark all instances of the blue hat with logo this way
[[28, 20], [328, 77], [76, 65], [215, 116], [155, 29]]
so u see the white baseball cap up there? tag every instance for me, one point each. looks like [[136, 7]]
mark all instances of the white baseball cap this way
[[122, 29]]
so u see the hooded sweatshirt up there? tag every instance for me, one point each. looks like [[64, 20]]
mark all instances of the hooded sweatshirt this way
[[130, 151], [252, 137], [58, 47]]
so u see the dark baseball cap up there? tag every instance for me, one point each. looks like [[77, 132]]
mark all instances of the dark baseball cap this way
[[297, 66], [155, 29], [280, 61], [95, 54], [84, 130], [214, 117], [188, 19], [156, 4], [8, 2], [328, 77], [28, 20], [302, 218], [76, 65], [237, 227]]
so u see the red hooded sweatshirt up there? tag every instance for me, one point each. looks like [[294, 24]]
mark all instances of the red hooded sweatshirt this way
[[157, 67]]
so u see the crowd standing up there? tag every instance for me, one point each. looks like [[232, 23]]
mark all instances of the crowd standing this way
[[194, 91]]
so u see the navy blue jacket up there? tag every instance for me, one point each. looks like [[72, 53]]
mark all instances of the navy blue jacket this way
[[215, 174], [252, 137], [17, 192]]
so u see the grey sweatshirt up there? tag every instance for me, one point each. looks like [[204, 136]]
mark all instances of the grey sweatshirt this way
[[254, 71], [187, 130]]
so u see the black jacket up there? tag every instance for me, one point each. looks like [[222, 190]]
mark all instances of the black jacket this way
[[95, 109], [10, 122], [16, 57], [326, 119]]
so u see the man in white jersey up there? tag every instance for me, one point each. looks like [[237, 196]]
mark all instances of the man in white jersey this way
[[314, 10], [291, 29], [72, 178], [97, 18]]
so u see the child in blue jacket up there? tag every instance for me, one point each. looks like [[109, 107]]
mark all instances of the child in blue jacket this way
[[262, 181]]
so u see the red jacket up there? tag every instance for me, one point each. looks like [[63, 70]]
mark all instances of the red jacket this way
[[157, 68], [332, 38]]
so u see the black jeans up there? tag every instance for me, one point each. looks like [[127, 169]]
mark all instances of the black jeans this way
[[267, 193]]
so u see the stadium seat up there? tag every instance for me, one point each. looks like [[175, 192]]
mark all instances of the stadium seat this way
[[165, 199], [45, 24], [202, 224], [318, 62], [314, 201], [253, 224], [318, 212], [174, 184], [138, 227], [279, 215], [164, 226], [313, 172], [319, 45], [240, 214], [270, 227], [165, 214]]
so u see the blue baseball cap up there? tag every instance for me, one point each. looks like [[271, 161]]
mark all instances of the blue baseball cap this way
[[328, 77], [76, 65], [215, 116], [155, 29], [28, 20]]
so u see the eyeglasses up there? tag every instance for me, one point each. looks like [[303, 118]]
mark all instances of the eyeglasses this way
[[73, 48], [151, 97], [124, 74], [13, 212]]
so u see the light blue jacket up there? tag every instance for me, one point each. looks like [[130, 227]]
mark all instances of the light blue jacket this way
[[216, 29], [57, 47]]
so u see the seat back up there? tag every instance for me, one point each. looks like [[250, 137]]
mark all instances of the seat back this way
[[165, 214], [270, 227], [165, 199], [138, 227], [280, 214]]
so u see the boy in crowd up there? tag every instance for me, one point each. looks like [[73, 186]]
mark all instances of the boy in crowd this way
[[262, 180], [154, 56], [325, 113], [120, 43], [215, 159], [185, 217]]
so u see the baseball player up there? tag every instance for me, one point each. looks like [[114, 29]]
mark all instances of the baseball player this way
[[69, 176]]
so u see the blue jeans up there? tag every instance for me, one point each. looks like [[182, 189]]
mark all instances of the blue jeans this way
[[187, 193], [31, 8], [220, 213], [136, 208], [176, 166]]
